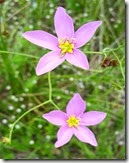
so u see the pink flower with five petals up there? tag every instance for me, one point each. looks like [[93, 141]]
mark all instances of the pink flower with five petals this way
[[74, 122], [65, 47]]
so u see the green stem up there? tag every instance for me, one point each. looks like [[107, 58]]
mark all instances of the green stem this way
[[49, 101], [102, 52], [23, 54], [54, 105], [122, 72], [12, 127], [50, 91], [91, 52], [50, 86]]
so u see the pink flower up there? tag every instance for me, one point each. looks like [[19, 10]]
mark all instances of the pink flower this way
[[73, 122], [65, 47]]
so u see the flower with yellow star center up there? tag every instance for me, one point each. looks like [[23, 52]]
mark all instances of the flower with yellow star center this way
[[73, 121], [66, 45]]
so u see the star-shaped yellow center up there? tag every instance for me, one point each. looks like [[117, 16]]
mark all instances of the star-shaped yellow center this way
[[65, 46], [73, 121]]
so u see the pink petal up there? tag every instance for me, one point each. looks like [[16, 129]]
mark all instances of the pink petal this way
[[64, 135], [63, 24], [42, 38], [92, 118], [56, 117], [48, 62], [85, 135], [86, 32], [78, 58], [76, 106]]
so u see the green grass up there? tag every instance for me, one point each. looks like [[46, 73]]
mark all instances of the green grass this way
[[101, 88]]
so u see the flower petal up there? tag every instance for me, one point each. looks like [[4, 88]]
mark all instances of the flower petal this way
[[48, 62], [85, 33], [85, 135], [63, 24], [78, 58], [56, 117], [42, 38], [92, 118], [76, 106], [64, 135]]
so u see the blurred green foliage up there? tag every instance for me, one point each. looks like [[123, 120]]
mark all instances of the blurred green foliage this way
[[20, 88]]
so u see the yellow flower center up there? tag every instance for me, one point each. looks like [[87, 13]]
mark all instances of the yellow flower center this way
[[66, 46], [73, 121]]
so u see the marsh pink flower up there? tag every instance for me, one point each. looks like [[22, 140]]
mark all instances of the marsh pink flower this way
[[74, 122], [65, 47]]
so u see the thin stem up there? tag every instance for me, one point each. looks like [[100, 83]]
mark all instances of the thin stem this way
[[92, 52], [122, 72], [50, 91], [102, 52], [23, 54], [54, 105], [50, 86], [12, 127]]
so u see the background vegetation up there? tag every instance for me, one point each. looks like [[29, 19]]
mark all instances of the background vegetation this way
[[101, 87]]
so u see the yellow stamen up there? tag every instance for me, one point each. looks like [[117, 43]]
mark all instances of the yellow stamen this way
[[73, 121], [65, 46]]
